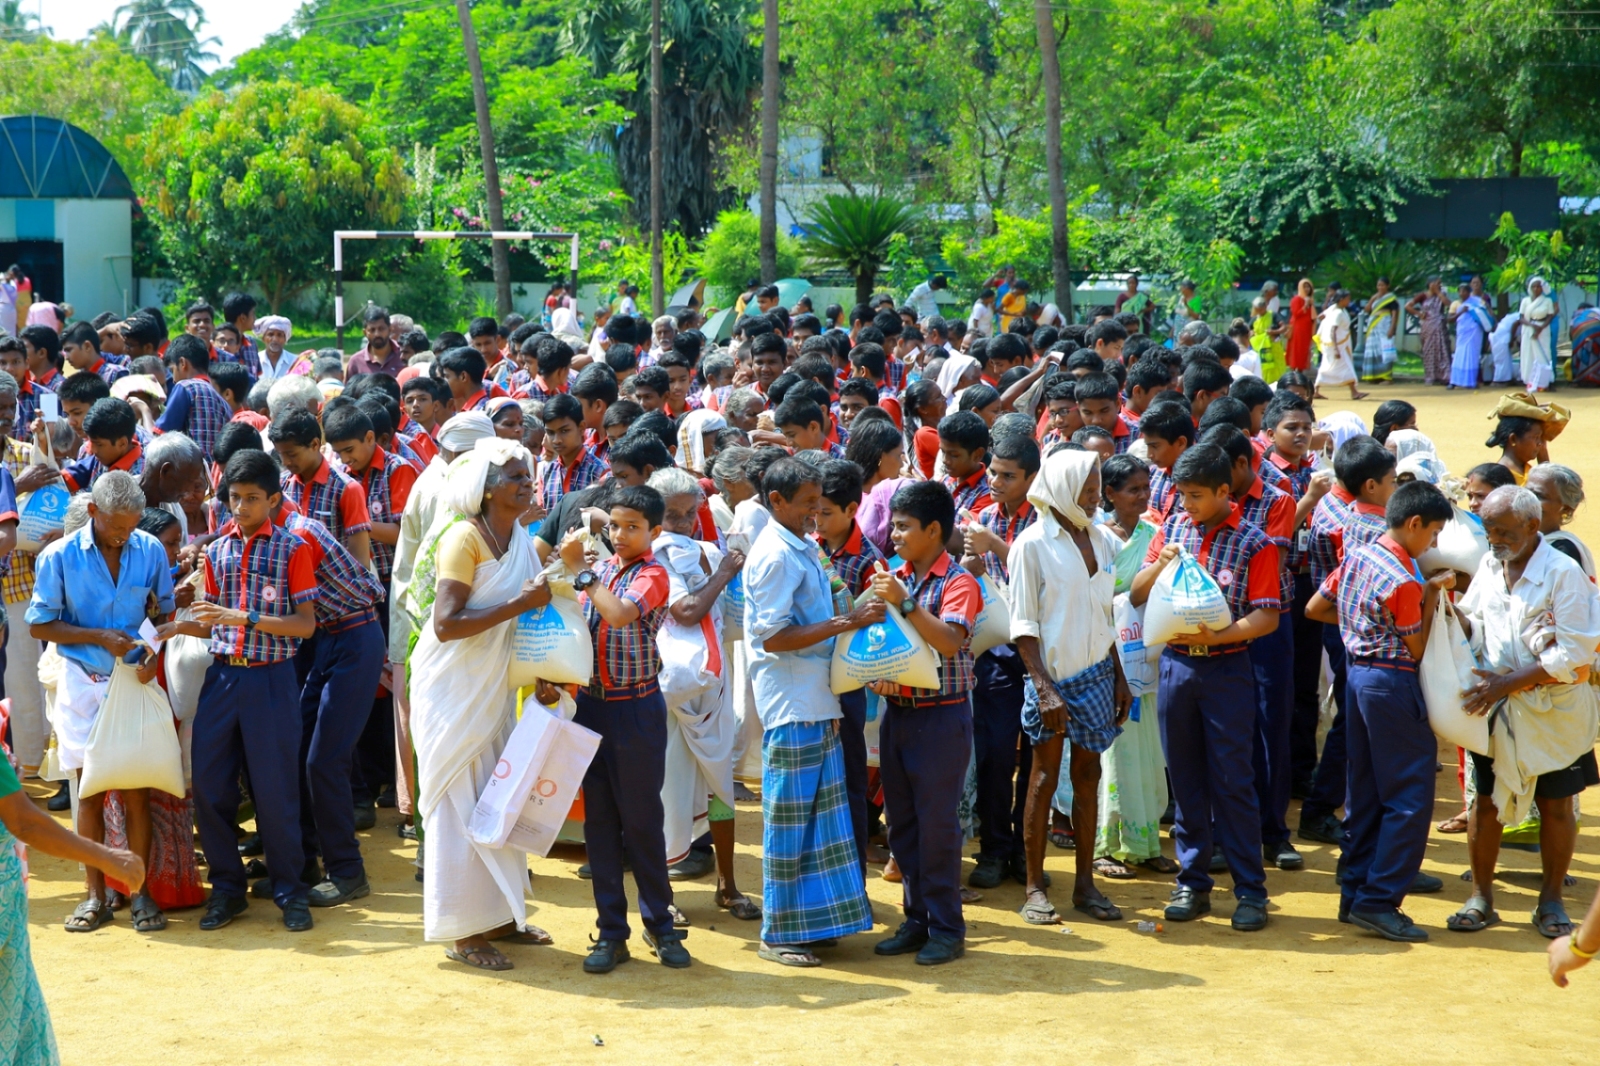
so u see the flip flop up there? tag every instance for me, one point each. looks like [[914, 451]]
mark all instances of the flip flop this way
[[1550, 918], [1456, 823], [743, 908], [1062, 839], [1115, 869], [147, 917], [1474, 916], [1035, 912], [1100, 909], [788, 956], [90, 913], [531, 935], [494, 960], [1161, 865]]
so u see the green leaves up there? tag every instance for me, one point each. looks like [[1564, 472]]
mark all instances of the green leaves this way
[[854, 232], [731, 255]]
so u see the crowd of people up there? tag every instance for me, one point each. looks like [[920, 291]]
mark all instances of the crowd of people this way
[[305, 530]]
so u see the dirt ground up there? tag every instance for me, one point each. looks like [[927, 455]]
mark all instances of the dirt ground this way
[[364, 988]]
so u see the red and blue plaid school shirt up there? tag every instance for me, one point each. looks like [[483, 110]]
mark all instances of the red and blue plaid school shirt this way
[[204, 412], [272, 573], [560, 480], [249, 355], [108, 371], [1379, 593], [1163, 490], [1122, 436], [1299, 476], [27, 406], [854, 561], [411, 431], [952, 595], [626, 656], [333, 498], [1332, 513], [81, 474], [1267, 471], [1131, 420], [971, 493], [995, 519], [1237, 553], [346, 590], [387, 482], [1271, 510], [894, 375]]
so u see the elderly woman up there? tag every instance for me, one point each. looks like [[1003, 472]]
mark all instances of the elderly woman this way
[[506, 414], [476, 574], [1534, 620]]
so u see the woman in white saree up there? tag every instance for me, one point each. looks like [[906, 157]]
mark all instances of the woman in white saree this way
[[476, 573], [1538, 344]]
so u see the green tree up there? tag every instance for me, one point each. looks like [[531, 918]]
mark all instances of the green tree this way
[[91, 85], [17, 24], [252, 185], [854, 232], [166, 34], [731, 254]]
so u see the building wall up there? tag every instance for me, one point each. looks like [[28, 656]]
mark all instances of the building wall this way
[[97, 247]]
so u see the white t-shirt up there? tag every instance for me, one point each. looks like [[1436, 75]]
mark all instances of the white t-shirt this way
[[1248, 365], [981, 321]]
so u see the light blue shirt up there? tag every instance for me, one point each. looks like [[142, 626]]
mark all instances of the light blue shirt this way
[[73, 585], [785, 585]]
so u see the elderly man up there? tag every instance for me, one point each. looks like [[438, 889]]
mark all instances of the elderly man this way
[[275, 360], [1535, 623], [174, 477]]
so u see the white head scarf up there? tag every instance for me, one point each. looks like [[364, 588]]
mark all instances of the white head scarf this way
[[275, 322], [691, 438], [1544, 286], [465, 480], [1060, 481], [951, 373], [462, 431]]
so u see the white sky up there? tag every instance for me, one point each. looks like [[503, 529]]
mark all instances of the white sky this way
[[239, 23]]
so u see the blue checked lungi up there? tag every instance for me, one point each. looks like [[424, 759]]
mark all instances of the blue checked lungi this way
[[1090, 696], [813, 887]]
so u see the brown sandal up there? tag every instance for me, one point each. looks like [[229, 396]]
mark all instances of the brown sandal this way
[[487, 957], [1456, 823]]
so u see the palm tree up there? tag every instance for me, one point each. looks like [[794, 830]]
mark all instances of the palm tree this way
[[17, 24], [166, 34], [854, 232]]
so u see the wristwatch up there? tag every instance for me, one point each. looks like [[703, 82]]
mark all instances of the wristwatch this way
[[252, 618], [584, 579], [908, 607]]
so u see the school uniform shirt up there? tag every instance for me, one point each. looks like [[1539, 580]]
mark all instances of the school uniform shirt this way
[[1236, 553], [952, 595], [108, 371], [347, 592], [1379, 592], [1122, 436], [196, 408], [16, 569], [51, 379], [525, 386], [28, 391], [1272, 511], [970, 493], [1007, 528], [894, 376], [1268, 472], [332, 497], [1328, 520], [559, 479], [1163, 491], [1055, 601], [249, 357], [1131, 419], [81, 474], [426, 447], [1298, 474], [626, 656], [387, 482], [402, 447], [74, 586], [272, 573], [854, 561]]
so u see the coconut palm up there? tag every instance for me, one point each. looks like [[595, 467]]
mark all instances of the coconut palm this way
[[166, 34], [854, 232], [17, 24]]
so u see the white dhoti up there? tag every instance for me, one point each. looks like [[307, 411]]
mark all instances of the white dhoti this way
[[699, 765], [30, 729], [747, 741], [77, 705]]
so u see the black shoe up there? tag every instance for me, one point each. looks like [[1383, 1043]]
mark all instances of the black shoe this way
[[261, 888], [418, 877], [296, 916], [1424, 883], [1344, 909], [1391, 925], [220, 910], [906, 939], [692, 866], [988, 874], [1283, 856], [941, 949], [61, 801], [337, 890], [1324, 830], [668, 947], [1250, 915], [1170, 815], [250, 844], [366, 816], [606, 955], [386, 799], [1219, 861], [257, 868], [1185, 904], [406, 832]]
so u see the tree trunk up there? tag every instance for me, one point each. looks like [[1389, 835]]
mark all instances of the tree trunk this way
[[864, 281], [769, 142], [491, 172], [1050, 67], [658, 297]]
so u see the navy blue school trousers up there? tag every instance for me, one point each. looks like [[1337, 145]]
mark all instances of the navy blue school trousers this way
[[1207, 707], [853, 741], [335, 701], [622, 806], [249, 719], [1391, 757], [1272, 663], [1307, 681], [996, 731], [923, 751], [1327, 790]]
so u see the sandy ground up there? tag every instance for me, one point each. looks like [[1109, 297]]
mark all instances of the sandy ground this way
[[364, 988]]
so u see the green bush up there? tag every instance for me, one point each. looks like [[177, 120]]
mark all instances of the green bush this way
[[731, 255]]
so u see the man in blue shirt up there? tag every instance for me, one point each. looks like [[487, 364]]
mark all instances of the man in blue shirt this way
[[813, 886], [94, 588]]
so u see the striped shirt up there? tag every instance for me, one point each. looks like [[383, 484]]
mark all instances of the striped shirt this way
[[626, 656], [996, 521], [1163, 491], [272, 573], [346, 590], [387, 482], [854, 561], [1333, 512], [1236, 553], [1379, 592], [952, 595], [333, 498], [559, 480]]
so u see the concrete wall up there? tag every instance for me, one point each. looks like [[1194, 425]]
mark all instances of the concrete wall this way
[[97, 247]]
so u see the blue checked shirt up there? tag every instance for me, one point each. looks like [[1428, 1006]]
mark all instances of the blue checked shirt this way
[[995, 520], [558, 480], [854, 560], [950, 594], [346, 590], [195, 407], [1379, 593]]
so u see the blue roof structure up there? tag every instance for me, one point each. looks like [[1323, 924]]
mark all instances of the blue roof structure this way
[[48, 159]]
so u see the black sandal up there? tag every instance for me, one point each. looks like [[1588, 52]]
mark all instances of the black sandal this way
[[147, 917], [90, 914], [487, 957], [1099, 908]]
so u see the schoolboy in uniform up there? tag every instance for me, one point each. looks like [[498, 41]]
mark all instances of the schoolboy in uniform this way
[[194, 406], [1206, 693], [576, 465], [80, 346], [1061, 415], [926, 736], [384, 477], [110, 428], [805, 426], [1384, 610], [964, 443], [1167, 430], [315, 488], [1100, 403], [625, 600]]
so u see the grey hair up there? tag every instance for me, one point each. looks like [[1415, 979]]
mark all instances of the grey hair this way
[[256, 400], [287, 393], [1196, 332], [665, 320], [675, 481], [530, 414], [1569, 483], [175, 448], [1522, 502], [77, 515], [728, 467], [118, 492], [8, 384], [740, 400], [712, 365], [63, 438]]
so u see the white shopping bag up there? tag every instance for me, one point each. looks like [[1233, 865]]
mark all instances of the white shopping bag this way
[[890, 650], [874, 726], [551, 644], [188, 659], [555, 789], [41, 512], [1185, 596], [1445, 673], [1461, 546], [993, 627], [1140, 664], [133, 742], [687, 669]]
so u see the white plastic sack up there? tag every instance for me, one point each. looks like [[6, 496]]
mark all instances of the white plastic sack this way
[[993, 627], [1184, 597], [890, 650], [1140, 664], [535, 782], [733, 592], [1461, 546], [41, 512], [188, 659], [551, 644], [874, 727], [685, 663], [1445, 673], [133, 743]]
